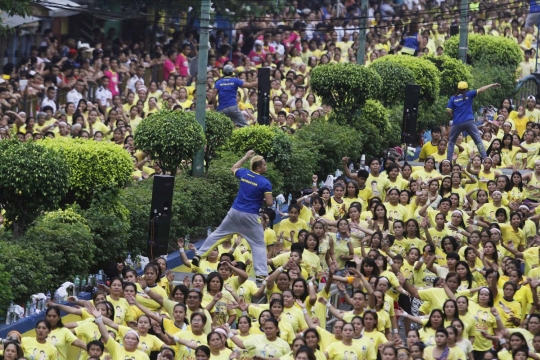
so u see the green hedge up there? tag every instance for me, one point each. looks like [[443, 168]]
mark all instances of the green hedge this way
[[452, 71], [374, 128], [330, 143], [484, 74], [33, 178], [493, 50], [345, 87], [425, 74], [66, 243], [217, 132], [396, 74], [95, 167]]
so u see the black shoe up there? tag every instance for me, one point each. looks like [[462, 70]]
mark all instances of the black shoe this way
[[196, 260], [260, 278]]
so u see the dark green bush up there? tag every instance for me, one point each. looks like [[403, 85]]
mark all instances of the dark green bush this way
[[217, 132], [65, 241], [485, 74]]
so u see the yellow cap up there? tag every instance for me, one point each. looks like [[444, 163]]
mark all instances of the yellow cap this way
[[462, 85]]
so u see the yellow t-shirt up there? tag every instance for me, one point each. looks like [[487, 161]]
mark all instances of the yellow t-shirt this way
[[187, 353], [61, 339], [259, 345], [340, 351], [34, 350], [146, 301], [220, 311], [121, 310], [427, 150], [428, 354], [147, 343], [287, 226], [507, 309], [118, 352]]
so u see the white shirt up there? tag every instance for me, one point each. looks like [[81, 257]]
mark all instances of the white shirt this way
[[48, 102], [74, 97], [132, 81], [104, 96]]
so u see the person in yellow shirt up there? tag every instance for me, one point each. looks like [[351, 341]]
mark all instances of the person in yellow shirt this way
[[61, 337], [440, 349], [39, 347], [430, 147], [267, 345]]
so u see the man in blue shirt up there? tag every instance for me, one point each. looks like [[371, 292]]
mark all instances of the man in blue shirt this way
[[460, 110], [227, 87], [243, 217]]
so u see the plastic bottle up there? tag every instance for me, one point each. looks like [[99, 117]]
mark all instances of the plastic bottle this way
[[274, 205], [77, 286], [208, 231], [289, 199], [57, 298], [100, 277], [351, 166], [279, 203], [186, 242], [27, 309], [48, 295], [129, 261], [9, 313], [83, 285]]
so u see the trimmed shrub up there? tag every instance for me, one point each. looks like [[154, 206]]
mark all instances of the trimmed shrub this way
[[492, 50], [33, 178], [95, 167], [64, 239], [345, 87], [373, 127], [395, 77], [451, 71], [218, 130], [425, 74], [170, 138]]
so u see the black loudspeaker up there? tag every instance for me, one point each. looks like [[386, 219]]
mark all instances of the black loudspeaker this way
[[410, 114], [263, 101], [454, 30], [160, 215]]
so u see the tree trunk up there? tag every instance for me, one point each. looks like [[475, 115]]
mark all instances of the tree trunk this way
[[18, 227]]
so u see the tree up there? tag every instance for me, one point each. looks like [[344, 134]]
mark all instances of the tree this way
[[484, 74], [218, 130], [396, 74], [425, 74], [11, 8], [345, 87], [33, 178], [170, 138], [95, 168]]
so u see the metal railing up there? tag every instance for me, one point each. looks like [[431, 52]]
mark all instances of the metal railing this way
[[529, 85], [31, 104]]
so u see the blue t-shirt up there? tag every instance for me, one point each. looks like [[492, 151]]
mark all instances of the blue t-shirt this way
[[461, 105], [227, 88], [534, 6], [251, 192]]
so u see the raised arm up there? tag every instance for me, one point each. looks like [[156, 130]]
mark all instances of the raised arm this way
[[487, 87], [346, 170], [239, 163]]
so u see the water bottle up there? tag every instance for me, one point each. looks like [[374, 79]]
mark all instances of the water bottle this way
[[83, 285], [289, 199], [48, 295], [9, 313], [89, 280], [351, 167], [208, 231], [321, 184], [129, 262], [100, 277], [279, 203], [27, 309], [186, 242], [77, 286], [274, 205], [363, 161], [57, 299]]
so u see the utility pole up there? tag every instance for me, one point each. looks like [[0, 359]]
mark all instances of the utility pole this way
[[198, 161], [464, 30], [361, 52]]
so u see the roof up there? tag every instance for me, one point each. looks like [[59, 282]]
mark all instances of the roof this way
[[16, 20], [60, 8]]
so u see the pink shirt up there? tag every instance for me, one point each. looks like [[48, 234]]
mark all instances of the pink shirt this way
[[182, 65], [168, 68], [114, 79]]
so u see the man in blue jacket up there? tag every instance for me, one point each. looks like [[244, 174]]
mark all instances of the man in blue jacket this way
[[460, 110], [227, 87]]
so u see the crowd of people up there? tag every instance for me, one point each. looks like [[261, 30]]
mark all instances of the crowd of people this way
[[448, 252]]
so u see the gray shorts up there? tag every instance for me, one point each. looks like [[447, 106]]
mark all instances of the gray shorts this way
[[234, 113]]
